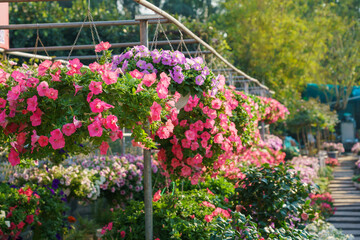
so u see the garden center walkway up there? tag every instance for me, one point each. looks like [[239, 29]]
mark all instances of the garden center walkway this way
[[346, 198]]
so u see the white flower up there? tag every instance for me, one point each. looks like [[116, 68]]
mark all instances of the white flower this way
[[2, 214], [7, 223]]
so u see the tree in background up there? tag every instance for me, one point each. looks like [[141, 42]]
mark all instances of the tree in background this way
[[291, 43]]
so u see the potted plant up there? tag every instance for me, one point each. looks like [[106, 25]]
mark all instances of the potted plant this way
[[333, 149], [356, 181], [356, 148]]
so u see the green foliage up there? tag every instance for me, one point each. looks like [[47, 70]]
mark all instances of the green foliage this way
[[16, 206], [52, 216], [311, 113], [291, 43], [219, 186], [178, 216], [273, 196]]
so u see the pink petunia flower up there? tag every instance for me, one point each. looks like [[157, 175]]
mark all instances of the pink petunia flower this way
[[45, 65], [14, 158], [136, 74], [14, 93], [2, 103], [102, 46], [109, 77], [111, 123], [99, 106], [69, 129], [77, 88], [103, 148], [95, 87], [32, 103], [155, 112], [157, 196], [42, 88], [43, 141], [57, 140], [95, 129], [36, 117], [52, 93], [149, 79]]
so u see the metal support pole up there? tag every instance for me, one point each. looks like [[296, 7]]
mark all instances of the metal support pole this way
[[144, 40], [246, 87], [262, 131]]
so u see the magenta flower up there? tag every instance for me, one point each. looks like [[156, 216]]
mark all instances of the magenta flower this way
[[95, 129], [2, 103], [111, 123], [102, 46], [155, 112], [199, 80], [36, 118], [94, 66], [57, 140], [95, 87], [56, 77], [186, 171], [99, 106], [162, 91], [14, 158], [136, 74], [149, 79], [32, 103], [76, 122], [14, 93], [75, 63], [18, 76], [216, 103], [190, 135], [77, 88], [42, 88], [109, 77], [45, 65], [32, 82], [43, 141], [103, 148], [52, 93], [69, 129], [163, 132]]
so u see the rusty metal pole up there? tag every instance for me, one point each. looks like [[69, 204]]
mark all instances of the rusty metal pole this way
[[144, 40]]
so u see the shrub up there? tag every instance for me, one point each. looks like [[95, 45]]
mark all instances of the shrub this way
[[273, 196], [182, 215]]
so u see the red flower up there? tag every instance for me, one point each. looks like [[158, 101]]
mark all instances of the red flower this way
[[29, 219], [71, 219], [157, 196]]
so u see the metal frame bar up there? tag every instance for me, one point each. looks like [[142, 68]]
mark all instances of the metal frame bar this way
[[77, 24], [90, 46], [95, 57]]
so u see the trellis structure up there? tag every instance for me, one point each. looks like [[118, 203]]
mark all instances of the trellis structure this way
[[235, 76]]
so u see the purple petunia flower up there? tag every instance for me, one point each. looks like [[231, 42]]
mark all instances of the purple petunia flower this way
[[178, 58], [198, 60], [141, 64], [177, 69], [197, 67], [149, 67], [156, 56], [199, 80], [205, 71], [128, 54], [177, 77]]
